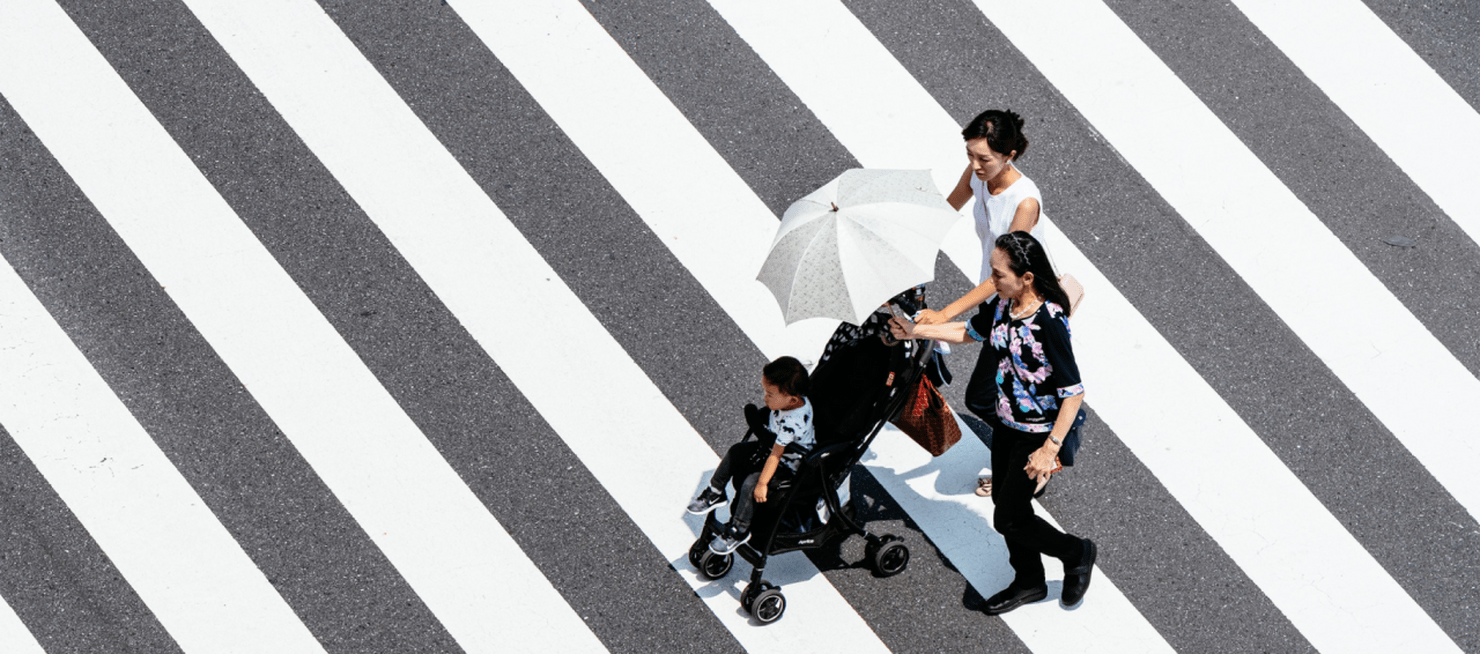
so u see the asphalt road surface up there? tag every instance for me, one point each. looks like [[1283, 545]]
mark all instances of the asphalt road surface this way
[[411, 325]]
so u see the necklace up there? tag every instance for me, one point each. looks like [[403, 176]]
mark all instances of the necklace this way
[[1031, 308]]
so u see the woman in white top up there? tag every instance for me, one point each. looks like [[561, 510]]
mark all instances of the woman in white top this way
[[1006, 200]]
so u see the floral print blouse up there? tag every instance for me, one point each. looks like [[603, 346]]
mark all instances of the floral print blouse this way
[[1026, 366]]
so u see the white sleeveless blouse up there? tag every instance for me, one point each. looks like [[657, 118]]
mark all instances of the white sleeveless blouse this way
[[994, 215]]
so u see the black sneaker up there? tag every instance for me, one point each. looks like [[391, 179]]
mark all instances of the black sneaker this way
[[707, 501], [729, 540]]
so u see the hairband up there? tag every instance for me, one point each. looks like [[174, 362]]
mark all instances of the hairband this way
[[1022, 250]]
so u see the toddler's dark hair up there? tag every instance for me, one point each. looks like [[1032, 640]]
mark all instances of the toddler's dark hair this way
[[788, 376]]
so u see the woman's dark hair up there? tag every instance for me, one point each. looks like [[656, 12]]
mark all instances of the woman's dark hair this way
[[788, 376], [1003, 131], [1026, 255]]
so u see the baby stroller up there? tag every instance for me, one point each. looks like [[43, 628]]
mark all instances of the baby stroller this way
[[855, 390]]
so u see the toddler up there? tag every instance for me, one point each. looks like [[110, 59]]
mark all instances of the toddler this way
[[790, 437]]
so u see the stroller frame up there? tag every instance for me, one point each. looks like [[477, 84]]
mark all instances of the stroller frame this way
[[826, 468]]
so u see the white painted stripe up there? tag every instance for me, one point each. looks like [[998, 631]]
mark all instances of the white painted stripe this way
[[163, 539], [1387, 90], [468, 253], [15, 638], [1354, 324], [432, 528], [1277, 532], [664, 168]]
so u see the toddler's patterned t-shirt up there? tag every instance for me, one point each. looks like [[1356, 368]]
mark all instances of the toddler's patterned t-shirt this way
[[794, 427]]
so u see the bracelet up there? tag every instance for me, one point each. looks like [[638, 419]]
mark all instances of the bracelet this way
[[1056, 442]]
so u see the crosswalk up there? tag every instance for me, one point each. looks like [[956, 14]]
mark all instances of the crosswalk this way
[[405, 326]]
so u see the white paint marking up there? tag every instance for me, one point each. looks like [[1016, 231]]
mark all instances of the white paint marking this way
[[163, 539], [1276, 531], [664, 168], [452, 552], [1387, 90], [469, 253], [15, 638]]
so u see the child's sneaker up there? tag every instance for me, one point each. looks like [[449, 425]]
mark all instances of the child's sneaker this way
[[729, 540], [707, 501]]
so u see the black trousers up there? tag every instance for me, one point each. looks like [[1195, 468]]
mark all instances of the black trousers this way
[[741, 460], [1028, 536]]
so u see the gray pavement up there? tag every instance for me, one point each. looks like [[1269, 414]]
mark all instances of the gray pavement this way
[[353, 600]]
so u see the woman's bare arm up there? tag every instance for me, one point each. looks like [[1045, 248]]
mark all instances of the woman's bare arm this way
[[963, 304], [1026, 216], [950, 332], [962, 192]]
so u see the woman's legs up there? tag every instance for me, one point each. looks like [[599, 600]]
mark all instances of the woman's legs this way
[[1028, 536]]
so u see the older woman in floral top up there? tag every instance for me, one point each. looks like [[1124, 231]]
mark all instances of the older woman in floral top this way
[[1027, 386]]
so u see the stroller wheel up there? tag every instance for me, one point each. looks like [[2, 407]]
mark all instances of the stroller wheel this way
[[713, 566], [747, 596], [697, 550], [768, 605], [890, 557]]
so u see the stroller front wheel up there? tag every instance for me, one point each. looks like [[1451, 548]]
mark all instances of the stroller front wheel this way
[[713, 566], [768, 605]]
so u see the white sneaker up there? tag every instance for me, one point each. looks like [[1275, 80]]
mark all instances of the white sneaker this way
[[707, 501], [729, 541]]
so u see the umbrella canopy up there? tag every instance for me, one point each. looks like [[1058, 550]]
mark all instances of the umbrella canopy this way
[[848, 247]]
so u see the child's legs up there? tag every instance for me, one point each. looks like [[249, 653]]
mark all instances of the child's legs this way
[[743, 508], [736, 461]]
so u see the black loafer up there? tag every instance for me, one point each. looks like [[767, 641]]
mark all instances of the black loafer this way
[[1076, 579], [1013, 597]]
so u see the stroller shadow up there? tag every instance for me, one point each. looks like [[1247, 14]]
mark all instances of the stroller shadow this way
[[952, 477]]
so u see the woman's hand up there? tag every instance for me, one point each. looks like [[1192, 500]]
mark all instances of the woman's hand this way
[[901, 330], [931, 317], [760, 493], [1041, 462]]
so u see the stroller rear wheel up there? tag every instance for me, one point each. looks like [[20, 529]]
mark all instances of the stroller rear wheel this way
[[889, 557]]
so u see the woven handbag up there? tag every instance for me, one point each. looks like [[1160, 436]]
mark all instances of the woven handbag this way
[[927, 420]]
